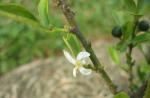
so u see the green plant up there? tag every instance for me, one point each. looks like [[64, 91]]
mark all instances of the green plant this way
[[38, 41], [134, 9]]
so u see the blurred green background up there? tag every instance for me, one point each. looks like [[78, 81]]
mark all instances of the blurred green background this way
[[20, 44]]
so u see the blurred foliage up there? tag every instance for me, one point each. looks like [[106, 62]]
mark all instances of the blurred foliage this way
[[143, 70], [20, 44]]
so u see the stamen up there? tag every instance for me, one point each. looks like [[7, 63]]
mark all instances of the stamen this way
[[79, 64]]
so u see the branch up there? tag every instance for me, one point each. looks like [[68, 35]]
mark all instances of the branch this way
[[69, 14], [140, 92], [129, 58]]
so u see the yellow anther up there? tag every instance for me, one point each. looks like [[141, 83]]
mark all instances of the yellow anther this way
[[78, 63]]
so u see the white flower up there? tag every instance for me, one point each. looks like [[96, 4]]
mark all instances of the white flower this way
[[79, 61]]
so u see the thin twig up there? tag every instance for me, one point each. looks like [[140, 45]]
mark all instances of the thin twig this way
[[129, 58], [69, 14], [130, 63]]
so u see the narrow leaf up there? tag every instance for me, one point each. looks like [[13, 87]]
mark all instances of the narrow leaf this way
[[114, 55], [17, 10], [43, 12], [68, 45], [19, 13], [72, 44], [141, 38], [127, 30], [122, 46], [22, 15]]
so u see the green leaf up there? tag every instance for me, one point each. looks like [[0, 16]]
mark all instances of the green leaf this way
[[43, 12], [147, 92], [122, 46], [141, 38], [127, 30], [127, 33], [143, 70], [114, 54], [72, 44], [18, 13], [17, 10], [130, 6], [22, 15], [143, 7], [121, 95]]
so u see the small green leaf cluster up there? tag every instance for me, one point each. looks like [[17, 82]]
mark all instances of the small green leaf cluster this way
[[117, 31], [131, 32], [127, 36], [130, 23]]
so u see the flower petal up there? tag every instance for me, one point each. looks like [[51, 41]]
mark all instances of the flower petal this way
[[75, 71], [82, 55], [69, 57], [85, 61], [85, 71]]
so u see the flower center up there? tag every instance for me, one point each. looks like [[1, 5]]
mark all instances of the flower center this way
[[78, 64]]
